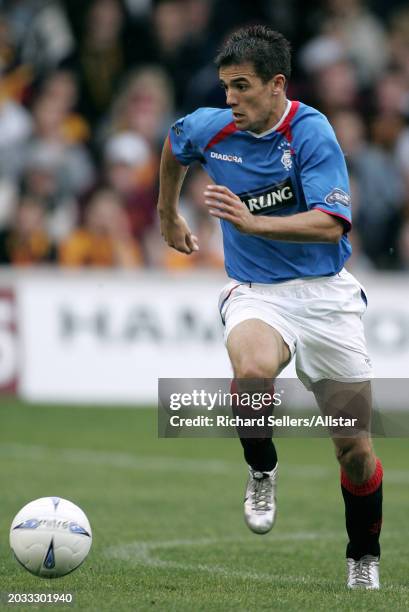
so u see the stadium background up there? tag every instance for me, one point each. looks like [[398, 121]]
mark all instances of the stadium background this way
[[93, 305], [87, 94]]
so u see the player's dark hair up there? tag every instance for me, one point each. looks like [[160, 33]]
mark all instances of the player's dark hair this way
[[268, 51]]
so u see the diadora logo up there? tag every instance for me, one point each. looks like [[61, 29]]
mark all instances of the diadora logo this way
[[270, 199], [226, 157]]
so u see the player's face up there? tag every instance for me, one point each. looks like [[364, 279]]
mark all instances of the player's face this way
[[256, 106]]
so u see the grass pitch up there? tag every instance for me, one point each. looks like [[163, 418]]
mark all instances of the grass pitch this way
[[167, 517]]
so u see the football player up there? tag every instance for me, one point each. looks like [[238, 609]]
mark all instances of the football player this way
[[281, 193]]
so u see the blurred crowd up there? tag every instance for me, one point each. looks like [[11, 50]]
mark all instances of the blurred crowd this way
[[89, 88]]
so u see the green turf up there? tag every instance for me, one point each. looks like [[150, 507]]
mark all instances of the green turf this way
[[167, 517]]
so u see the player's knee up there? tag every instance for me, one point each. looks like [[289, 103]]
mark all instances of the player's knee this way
[[248, 368], [354, 458]]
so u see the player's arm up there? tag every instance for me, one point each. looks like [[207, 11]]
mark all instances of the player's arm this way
[[173, 226], [310, 226]]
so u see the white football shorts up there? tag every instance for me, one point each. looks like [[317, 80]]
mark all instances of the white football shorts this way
[[320, 320]]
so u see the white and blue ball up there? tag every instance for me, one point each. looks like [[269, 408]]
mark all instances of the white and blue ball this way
[[50, 537]]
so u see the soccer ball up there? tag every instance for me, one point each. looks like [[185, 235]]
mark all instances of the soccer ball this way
[[50, 537]]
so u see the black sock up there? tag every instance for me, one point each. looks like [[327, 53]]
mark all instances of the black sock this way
[[260, 453], [363, 514], [259, 450]]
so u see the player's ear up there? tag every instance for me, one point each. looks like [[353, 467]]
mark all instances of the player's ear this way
[[278, 84]]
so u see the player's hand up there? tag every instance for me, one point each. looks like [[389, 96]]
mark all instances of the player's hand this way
[[177, 234], [224, 204]]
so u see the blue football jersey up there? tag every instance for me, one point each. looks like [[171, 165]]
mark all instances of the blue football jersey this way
[[296, 166]]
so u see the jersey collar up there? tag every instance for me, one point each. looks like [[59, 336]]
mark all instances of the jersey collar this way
[[276, 126]]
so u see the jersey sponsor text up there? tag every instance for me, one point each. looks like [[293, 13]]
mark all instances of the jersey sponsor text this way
[[270, 199]]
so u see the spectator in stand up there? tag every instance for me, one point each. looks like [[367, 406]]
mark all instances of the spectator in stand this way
[[330, 74], [399, 40], [61, 87], [8, 51], [71, 163], [66, 129], [136, 36], [42, 180], [55, 170], [15, 121], [15, 76], [26, 242], [131, 170], [15, 130], [183, 40], [105, 239], [361, 35], [392, 94], [379, 184], [346, 56], [337, 87], [171, 31], [389, 124], [100, 61], [41, 32], [144, 106]]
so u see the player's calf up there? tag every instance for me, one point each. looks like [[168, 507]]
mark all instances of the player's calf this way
[[259, 450], [363, 513]]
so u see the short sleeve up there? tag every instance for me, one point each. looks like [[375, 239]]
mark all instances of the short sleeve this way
[[323, 171], [183, 139]]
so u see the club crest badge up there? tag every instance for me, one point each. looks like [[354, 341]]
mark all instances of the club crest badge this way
[[286, 159], [286, 154]]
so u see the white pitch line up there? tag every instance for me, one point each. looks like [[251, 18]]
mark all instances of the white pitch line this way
[[130, 547], [144, 553], [159, 463], [155, 463], [150, 463], [115, 459]]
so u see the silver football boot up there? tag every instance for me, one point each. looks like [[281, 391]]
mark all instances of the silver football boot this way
[[260, 507], [363, 574]]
